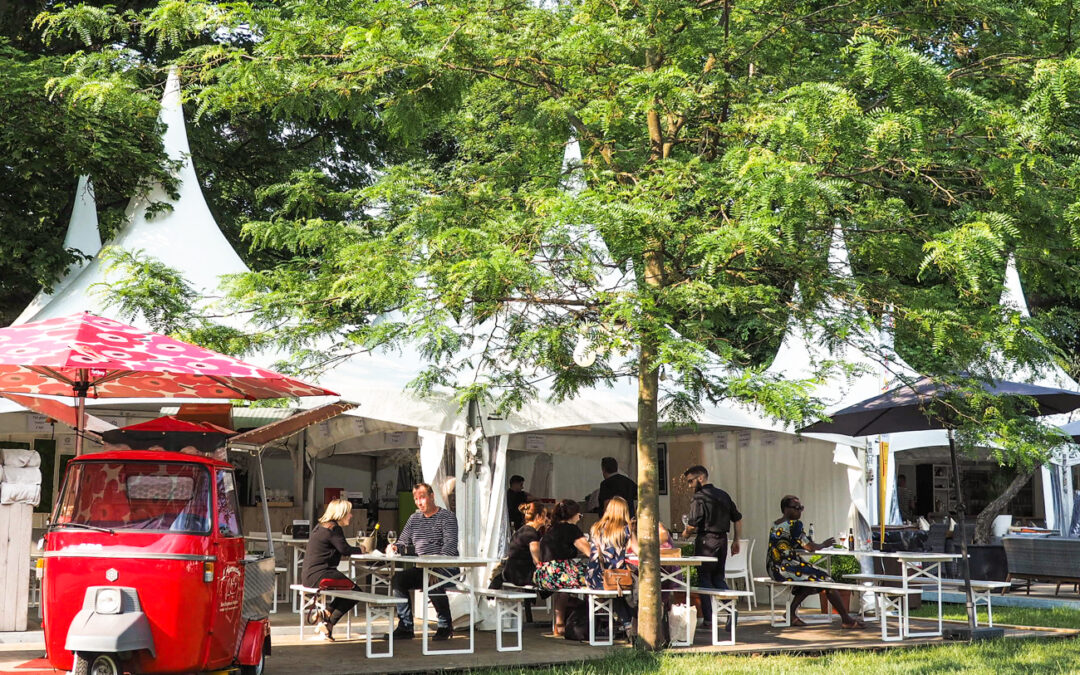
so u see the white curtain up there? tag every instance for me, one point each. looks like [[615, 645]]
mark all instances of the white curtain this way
[[481, 515]]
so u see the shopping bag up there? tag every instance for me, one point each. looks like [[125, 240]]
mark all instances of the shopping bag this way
[[679, 617]]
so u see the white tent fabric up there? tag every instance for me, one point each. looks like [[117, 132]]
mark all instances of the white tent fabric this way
[[185, 238], [432, 446], [82, 236]]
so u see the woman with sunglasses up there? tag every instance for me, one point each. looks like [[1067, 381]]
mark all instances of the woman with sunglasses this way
[[784, 563]]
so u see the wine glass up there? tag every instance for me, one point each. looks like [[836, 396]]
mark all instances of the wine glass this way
[[391, 537], [685, 521]]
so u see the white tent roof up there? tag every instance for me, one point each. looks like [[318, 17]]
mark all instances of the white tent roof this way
[[82, 236], [185, 238], [391, 369]]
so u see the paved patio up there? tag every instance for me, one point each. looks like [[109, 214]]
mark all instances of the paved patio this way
[[756, 636]]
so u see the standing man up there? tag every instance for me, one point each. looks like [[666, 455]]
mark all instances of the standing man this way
[[616, 484], [712, 512], [515, 497], [431, 530]]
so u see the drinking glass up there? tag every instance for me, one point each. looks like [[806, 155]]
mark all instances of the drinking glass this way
[[391, 537], [685, 521]]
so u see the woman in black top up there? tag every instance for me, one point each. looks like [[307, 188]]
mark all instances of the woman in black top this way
[[325, 548], [560, 566], [523, 553]]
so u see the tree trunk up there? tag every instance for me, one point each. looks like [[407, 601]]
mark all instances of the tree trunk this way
[[648, 514], [985, 520]]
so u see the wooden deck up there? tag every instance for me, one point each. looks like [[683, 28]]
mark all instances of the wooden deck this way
[[755, 637]]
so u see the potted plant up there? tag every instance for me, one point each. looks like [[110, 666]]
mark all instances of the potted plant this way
[[841, 566]]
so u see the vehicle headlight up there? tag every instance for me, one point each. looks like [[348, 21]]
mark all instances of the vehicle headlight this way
[[108, 601]]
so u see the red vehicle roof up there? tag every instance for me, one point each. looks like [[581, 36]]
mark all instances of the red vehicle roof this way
[[152, 456]]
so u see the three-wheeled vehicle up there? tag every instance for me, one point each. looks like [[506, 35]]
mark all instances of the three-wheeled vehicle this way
[[145, 569]]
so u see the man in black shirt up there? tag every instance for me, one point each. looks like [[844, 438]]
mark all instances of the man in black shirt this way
[[712, 512], [515, 497], [616, 484]]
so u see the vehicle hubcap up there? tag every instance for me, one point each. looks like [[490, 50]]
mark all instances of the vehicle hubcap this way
[[104, 665]]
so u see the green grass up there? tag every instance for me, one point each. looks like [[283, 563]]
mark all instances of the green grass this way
[[1059, 617], [1001, 657]]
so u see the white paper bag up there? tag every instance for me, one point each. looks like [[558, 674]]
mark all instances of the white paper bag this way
[[679, 617]]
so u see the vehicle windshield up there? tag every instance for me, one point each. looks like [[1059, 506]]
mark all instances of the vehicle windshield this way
[[149, 496]]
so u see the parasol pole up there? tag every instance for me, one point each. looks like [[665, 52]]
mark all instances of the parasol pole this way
[[883, 472], [79, 388], [963, 537]]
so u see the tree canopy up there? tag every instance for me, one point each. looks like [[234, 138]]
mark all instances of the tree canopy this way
[[722, 144]]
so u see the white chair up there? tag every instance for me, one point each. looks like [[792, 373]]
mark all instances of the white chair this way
[[738, 567]]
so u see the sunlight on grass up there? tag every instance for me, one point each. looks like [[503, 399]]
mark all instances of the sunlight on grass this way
[[1001, 657]]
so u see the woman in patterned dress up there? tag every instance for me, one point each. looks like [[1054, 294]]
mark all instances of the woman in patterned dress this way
[[612, 536], [784, 563], [560, 564]]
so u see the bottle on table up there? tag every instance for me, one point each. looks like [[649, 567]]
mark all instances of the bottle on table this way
[[851, 539], [810, 532]]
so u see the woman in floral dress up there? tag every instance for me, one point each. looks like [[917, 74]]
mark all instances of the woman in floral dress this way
[[785, 563], [560, 566]]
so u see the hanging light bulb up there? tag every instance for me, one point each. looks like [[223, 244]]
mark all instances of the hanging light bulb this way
[[584, 354]]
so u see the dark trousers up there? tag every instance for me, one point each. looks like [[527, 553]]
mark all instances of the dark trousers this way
[[408, 580], [711, 575]]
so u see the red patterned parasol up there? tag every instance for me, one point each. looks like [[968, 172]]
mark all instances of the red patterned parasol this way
[[85, 355]]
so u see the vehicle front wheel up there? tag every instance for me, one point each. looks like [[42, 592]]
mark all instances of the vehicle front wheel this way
[[95, 664]]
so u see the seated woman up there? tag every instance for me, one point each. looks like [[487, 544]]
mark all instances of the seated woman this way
[[784, 563], [611, 537], [325, 548], [523, 553], [560, 566]]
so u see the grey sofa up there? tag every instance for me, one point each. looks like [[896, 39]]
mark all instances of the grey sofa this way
[[1046, 558]]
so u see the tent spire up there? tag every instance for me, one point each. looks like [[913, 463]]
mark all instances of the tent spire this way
[[82, 236], [184, 236]]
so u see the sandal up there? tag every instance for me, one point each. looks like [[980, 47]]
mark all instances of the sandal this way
[[797, 622], [324, 630], [853, 625]]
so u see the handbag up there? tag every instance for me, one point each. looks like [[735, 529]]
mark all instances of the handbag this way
[[621, 580]]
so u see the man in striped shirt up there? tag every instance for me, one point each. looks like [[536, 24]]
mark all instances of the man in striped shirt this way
[[430, 531]]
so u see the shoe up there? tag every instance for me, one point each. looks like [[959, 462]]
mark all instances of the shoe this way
[[404, 632], [325, 631], [444, 633]]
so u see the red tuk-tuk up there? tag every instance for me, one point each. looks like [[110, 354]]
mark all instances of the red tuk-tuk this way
[[145, 569]]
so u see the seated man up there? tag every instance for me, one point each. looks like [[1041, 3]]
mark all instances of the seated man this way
[[784, 563], [429, 531]]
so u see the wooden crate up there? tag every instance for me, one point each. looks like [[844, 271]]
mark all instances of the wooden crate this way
[[15, 526]]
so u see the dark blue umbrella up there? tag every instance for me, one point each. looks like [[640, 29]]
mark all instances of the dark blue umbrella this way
[[924, 405], [920, 406]]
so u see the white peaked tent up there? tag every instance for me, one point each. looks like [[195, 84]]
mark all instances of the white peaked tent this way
[[1056, 478], [82, 236], [185, 238], [802, 351]]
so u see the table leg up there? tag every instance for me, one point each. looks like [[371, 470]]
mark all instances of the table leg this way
[[423, 612]]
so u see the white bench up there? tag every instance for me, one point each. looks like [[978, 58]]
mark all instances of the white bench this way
[[981, 590], [531, 589], [723, 602], [601, 603], [890, 600], [508, 607], [375, 607]]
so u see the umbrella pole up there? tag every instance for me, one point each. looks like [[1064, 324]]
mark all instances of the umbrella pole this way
[[80, 388], [970, 604]]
